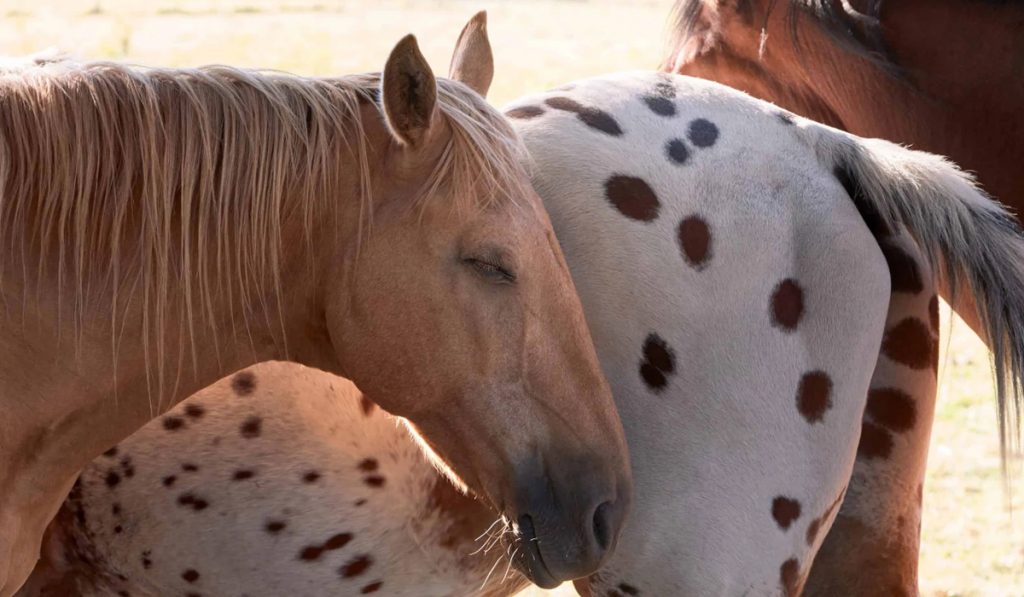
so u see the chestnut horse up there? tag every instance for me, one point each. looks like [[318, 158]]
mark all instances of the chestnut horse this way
[[946, 76], [164, 228]]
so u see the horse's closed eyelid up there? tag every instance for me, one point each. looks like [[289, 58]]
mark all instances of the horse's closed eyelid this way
[[491, 268]]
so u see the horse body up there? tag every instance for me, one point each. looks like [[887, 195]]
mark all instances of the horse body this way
[[163, 229], [873, 69], [715, 315], [736, 487], [319, 491]]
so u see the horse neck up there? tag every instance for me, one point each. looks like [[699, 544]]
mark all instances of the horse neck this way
[[88, 373], [956, 97]]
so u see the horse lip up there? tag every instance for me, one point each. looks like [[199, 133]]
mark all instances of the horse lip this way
[[530, 560]]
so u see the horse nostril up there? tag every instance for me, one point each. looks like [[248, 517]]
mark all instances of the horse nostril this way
[[603, 525]]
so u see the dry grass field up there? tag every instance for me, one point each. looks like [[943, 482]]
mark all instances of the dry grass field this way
[[973, 543]]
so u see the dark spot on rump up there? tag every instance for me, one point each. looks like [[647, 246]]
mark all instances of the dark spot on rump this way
[[356, 566], [123, 594], [367, 405], [592, 117], [660, 105], [374, 480], [243, 474], [243, 383], [891, 408], [702, 133], [909, 343], [194, 411], [633, 197], [111, 452], [251, 427], [310, 477], [872, 218], [658, 362], [188, 467], [875, 442], [628, 589], [127, 468], [169, 480], [695, 241], [903, 271], [665, 87], [525, 112], [190, 575], [789, 576], [115, 509], [814, 395], [933, 313], [275, 526], [368, 465], [146, 562], [118, 529], [785, 510], [196, 503], [338, 541], [311, 553], [173, 423], [787, 304], [112, 479], [677, 151], [372, 587], [360, 502]]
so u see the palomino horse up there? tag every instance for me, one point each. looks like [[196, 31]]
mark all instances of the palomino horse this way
[[162, 229], [747, 276], [872, 68]]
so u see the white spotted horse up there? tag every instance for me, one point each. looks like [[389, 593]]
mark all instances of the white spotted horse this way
[[280, 480], [754, 286], [163, 228], [761, 290]]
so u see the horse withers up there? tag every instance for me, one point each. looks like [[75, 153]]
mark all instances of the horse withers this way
[[164, 228]]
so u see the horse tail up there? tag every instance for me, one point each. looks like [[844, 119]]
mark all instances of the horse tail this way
[[973, 243]]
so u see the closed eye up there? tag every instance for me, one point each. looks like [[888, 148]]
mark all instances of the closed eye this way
[[490, 270]]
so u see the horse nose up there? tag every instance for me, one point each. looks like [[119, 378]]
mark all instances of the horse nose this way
[[605, 524], [569, 534]]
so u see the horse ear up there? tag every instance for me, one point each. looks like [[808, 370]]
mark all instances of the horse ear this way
[[472, 61], [409, 93]]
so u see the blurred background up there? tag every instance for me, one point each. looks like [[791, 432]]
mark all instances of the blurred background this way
[[972, 539]]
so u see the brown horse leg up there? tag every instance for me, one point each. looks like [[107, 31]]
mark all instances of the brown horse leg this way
[[872, 548]]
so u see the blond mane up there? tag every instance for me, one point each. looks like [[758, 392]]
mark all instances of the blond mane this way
[[171, 187]]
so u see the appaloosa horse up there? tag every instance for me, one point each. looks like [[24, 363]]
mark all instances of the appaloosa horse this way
[[280, 480], [753, 284], [164, 228], [946, 76]]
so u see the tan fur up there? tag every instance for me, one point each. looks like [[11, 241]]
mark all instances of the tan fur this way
[[171, 152], [164, 228]]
